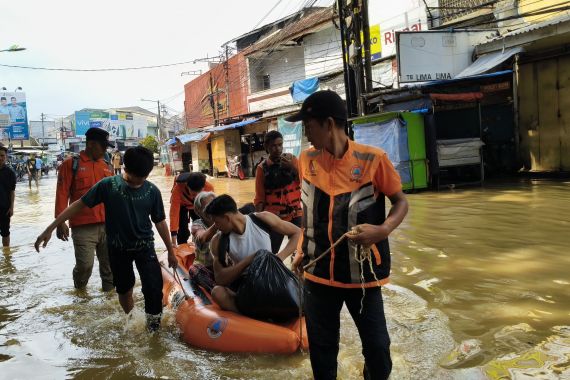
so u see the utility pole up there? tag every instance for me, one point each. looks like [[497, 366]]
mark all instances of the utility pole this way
[[211, 96], [164, 122], [62, 133], [43, 118], [349, 75], [227, 67], [353, 51], [158, 122], [366, 37]]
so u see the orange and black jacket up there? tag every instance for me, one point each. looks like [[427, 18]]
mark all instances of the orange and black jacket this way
[[182, 196], [71, 187], [279, 189], [338, 194]]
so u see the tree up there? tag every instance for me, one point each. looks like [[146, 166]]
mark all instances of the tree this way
[[150, 142]]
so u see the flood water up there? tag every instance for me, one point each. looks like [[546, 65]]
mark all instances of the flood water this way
[[480, 290]]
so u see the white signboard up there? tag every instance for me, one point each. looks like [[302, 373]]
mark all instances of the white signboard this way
[[435, 55]]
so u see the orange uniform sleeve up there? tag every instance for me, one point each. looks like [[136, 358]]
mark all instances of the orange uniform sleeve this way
[[208, 187], [175, 198], [64, 177], [386, 179], [259, 186]]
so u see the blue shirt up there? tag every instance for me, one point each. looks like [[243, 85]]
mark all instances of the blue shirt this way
[[16, 113], [39, 163], [128, 211]]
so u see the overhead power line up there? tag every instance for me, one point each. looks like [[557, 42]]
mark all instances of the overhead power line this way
[[102, 69]]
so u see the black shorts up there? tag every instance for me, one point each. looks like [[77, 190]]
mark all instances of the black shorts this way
[[149, 272], [4, 223]]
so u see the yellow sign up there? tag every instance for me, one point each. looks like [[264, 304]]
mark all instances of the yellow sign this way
[[375, 42]]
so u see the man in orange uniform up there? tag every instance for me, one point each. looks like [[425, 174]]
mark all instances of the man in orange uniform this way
[[75, 177], [186, 187], [277, 186], [344, 185]]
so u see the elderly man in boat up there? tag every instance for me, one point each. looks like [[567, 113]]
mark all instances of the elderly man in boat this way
[[240, 237]]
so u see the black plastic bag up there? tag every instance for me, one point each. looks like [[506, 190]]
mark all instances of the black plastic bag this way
[[269, 291]]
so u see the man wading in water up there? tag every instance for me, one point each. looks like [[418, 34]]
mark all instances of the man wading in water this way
[[349, 181], [131, 203]]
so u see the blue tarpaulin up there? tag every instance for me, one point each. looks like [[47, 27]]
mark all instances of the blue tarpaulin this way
[[301, 89], [230, 126], [390, 136], [190, 137]]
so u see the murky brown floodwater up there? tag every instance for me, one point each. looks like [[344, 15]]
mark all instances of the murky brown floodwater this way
[[480, 289]]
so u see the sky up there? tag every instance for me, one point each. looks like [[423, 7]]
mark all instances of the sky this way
[[123, 33]]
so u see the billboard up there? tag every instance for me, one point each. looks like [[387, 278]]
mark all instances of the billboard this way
[[90, 119], [125, 125], [435, 55], [13, 116]]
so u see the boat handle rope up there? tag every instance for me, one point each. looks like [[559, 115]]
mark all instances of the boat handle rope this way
[[177, 279], [314, 261]]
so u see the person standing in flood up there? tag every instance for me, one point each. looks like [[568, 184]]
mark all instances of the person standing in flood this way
[[7, 196], [131, 203], [117, 162], [76, 175], [344, 185], [33, 174], [277, 186]]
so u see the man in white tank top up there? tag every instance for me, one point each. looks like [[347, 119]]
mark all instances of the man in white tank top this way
[[240, 237]]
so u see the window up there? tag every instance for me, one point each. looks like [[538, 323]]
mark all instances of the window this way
[[266, 83]]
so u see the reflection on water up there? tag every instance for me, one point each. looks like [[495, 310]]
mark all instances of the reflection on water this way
[[480, 289]]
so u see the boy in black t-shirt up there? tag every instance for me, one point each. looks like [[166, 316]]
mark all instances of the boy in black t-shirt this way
[[129, 202], [7, 194]]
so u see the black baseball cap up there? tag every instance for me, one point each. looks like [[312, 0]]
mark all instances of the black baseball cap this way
[[99, 135], [321, 104]]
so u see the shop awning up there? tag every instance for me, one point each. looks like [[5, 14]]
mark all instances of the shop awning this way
[[231, 126], [190, 137], [458, 97], [488, 62]]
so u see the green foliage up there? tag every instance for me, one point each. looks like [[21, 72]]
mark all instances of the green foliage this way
[[150, 142]]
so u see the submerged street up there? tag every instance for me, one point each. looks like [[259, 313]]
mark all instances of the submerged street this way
[[479, 290]]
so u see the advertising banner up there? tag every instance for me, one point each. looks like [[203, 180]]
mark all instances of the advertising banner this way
[[13, 116], [375, 42], [91, 119], [292, 136], [81, 122], [122, 125]]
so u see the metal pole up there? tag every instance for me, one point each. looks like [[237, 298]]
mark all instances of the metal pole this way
[[349, 83], [356, 29], [366, 36], [158, 124], [62, 134], [43, 129], [227, 66], [211, 98]]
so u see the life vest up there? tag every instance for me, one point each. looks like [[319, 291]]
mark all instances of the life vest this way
[[336, 196], [76, 176], [282, 190]]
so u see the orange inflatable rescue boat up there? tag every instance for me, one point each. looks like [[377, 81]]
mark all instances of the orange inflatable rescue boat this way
[[205, 325]]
